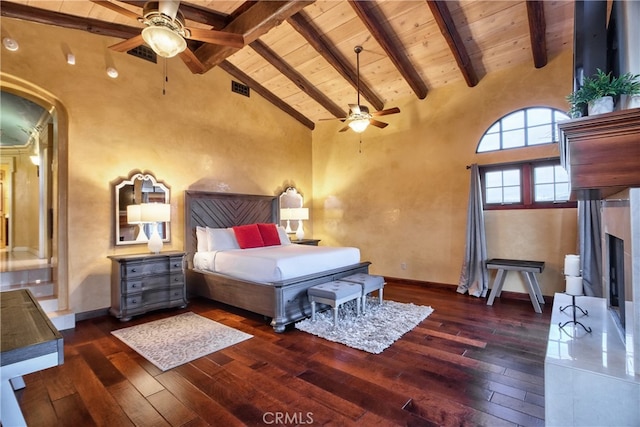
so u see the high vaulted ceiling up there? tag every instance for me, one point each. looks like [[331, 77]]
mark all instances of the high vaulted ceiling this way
[[300, 54]]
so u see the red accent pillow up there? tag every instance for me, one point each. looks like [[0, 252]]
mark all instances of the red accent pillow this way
[[248, 236], [269, 234]]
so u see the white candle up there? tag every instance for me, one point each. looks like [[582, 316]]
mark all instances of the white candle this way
[[572, 265], [574, 285]]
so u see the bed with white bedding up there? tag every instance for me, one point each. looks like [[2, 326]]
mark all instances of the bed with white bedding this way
[[270, 280]]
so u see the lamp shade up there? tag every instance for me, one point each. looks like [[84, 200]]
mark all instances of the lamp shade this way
[[164, 41], [155, 212], [133, 214], [299, 213], [285, 213], [359, 125]]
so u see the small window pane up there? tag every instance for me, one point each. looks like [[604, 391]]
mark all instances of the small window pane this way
[[495, 128], [490, 142], [512, 194], [513, 138], [544, 174], [512, 177], [544, 193], [539, 135], [494, 195], [538, 116], [562, 192], [513, 121], [493, 179]]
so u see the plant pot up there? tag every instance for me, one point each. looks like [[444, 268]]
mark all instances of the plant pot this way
[[629, 101], [600, 106]]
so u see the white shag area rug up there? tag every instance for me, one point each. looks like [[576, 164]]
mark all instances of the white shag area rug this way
[[374, 331], [176, 340]]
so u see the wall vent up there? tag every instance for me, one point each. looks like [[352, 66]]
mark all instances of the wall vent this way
[[144, 52], [240, 88]]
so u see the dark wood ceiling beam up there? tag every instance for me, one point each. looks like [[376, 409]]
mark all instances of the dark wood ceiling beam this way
[[253, 23], [42, 16], [298, 79], [372, 19], [303, 25], [448, 29], [266, 94], [537, 31]]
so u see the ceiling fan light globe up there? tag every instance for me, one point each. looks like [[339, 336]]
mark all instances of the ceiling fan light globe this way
[[359, 125], [164, 41]]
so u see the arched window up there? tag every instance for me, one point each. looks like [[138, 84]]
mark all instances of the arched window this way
[[532, 184], [522, 128]]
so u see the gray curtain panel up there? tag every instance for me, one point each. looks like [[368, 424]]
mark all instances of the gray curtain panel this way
[[474, 277], [589, 229]]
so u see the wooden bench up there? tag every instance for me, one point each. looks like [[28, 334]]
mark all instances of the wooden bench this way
[[30, 343], [527, 269]]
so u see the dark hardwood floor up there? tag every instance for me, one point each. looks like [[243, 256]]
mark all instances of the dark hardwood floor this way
[[467, 364]]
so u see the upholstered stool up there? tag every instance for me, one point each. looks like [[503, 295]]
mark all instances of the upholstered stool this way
[[334, 294], [369, 284]]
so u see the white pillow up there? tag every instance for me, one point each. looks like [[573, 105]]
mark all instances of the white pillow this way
[[284, 237], [221, 239], [202, 239]]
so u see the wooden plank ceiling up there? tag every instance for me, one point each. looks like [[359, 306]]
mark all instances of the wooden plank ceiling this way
[[300, 54]]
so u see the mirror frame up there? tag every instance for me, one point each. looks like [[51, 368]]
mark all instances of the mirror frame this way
[[119, 186]]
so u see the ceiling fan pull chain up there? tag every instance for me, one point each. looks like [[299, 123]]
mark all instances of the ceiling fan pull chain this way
[[165, 78]]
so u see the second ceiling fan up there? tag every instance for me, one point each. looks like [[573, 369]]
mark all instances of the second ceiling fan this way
[[359, 117]]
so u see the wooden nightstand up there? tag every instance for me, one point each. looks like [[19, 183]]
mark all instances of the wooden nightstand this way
[[310, 242], [145, 282]]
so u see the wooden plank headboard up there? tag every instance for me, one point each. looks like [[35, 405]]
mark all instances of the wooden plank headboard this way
[[221, 210]]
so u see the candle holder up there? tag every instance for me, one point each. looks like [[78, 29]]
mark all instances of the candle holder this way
[[574, 321]]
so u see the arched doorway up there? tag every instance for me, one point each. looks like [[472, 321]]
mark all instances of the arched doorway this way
[[52, 182]]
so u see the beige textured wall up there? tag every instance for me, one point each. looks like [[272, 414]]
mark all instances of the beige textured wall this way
[[401, 194], [197, 136]]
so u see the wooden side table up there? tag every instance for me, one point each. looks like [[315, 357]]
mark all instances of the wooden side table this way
[[30, 343], [146, 282], [310, 242], [527, 269]]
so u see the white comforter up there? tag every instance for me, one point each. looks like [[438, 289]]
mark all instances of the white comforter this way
[[274, 263]]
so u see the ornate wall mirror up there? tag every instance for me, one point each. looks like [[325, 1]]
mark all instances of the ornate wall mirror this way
[[132, 194], [291, 209]]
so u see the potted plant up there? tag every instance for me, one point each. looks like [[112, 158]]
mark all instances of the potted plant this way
[[598, 91]]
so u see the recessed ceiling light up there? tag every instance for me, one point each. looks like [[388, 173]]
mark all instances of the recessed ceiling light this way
[[10, 44], [112, 72]]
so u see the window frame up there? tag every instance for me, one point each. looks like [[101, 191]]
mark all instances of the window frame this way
[[527, 186], [555, 134]]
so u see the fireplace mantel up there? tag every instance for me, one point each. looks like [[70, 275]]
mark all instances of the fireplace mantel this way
[[601, 153]]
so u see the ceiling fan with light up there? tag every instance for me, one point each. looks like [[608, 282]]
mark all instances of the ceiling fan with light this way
[[165, 31], [359, 117]]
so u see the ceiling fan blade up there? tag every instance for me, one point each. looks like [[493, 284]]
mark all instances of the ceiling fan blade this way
[[119, 9], [128, 44], [216, 37], [344, 129], [169, 7], [386, 112], [191, 61], [378, 124]]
